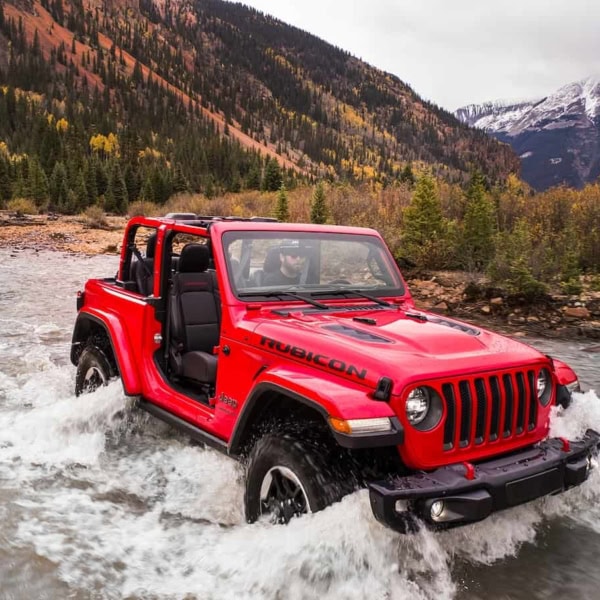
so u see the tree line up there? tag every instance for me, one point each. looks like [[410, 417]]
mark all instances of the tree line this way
[[525, 242]]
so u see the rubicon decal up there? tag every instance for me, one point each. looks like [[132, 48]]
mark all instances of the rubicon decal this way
[[322, 360]]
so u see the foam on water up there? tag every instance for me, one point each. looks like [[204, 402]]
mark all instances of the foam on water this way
[[147, 514], [117, 504]]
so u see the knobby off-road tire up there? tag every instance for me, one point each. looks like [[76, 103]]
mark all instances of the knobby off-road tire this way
[[288, 477], [93, 371]]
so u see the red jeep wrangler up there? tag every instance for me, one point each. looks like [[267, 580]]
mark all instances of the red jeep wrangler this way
[[299, 349]]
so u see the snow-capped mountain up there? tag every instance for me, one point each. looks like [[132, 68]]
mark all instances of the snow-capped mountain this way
[[557, 137]]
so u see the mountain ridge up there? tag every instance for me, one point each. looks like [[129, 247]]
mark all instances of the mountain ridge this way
[[557, 137]]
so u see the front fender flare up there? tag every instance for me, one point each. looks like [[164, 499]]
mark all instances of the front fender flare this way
[[328, 398]]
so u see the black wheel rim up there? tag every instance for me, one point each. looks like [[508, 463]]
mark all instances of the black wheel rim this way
[[94, 378], [282, 495]]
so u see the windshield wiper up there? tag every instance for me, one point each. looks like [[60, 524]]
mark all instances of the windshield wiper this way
[[273, 294], [342, 291]]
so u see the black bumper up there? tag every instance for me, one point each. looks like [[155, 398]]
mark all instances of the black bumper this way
[[469, 495]]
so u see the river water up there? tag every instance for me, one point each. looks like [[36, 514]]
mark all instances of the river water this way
[[98, 500]]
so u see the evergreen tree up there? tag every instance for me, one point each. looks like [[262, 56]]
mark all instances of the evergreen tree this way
[[318, 206], [58, 188], [132, 183], [407, 175], [115, 199], [272, 180], [161, 185], [80, 192], [511, 265], [91, 187], [5, 182], [137, 75], [180, 183], [147, 191], [37, 183], [253, 177], [479, 226], [209, 188], [19, 185], [424, 226], [282, 211], [100, 176]]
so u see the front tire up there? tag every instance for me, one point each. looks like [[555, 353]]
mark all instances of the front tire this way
[[93, 371], [288, 477]]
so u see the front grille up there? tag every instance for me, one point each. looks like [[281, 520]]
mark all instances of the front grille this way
[[484, 409]]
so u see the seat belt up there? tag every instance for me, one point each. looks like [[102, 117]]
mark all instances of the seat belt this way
[[141, 260]]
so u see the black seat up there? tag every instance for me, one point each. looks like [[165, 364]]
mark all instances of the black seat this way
[[270, 265], [195, 317], [143, 271]]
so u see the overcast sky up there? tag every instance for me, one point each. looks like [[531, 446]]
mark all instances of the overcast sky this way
[[456, 52]]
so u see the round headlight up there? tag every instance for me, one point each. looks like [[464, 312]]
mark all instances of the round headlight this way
[[543, 379], [417, 405]]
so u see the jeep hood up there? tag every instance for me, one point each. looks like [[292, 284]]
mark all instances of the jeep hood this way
[[388, 343]]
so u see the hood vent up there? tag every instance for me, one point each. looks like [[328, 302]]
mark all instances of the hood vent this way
[[454, 325], [357, 334]]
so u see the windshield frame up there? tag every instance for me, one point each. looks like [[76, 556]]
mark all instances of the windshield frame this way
[[382, 257]]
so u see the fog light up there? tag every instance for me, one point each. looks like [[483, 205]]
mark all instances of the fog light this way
[[436, 510], [401, 506]]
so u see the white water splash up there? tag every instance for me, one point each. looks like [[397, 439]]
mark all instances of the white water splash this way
[[118, 505]]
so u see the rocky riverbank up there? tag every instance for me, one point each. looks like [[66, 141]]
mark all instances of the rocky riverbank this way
[[456, 294], [473, 299]]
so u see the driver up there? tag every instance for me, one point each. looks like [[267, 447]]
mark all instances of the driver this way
[[291, 263]]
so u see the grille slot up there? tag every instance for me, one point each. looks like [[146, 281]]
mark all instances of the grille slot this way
[[520, 403], [532, 420], [482, 409], [481, 412], [466, 411], [450, 424], [508, 405], [496, 407]]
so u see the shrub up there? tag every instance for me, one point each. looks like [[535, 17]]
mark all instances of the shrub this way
[[572, 286], [22, 206], [95, 218], [142, 208], [182, 203]]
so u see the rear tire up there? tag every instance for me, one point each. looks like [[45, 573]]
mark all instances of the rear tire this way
[[93, 371], [288, 477]]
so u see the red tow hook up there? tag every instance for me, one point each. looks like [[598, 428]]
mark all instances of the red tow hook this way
[[469, 471], [566, 444]]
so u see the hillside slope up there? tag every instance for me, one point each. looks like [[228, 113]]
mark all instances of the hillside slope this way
[[240, 81]]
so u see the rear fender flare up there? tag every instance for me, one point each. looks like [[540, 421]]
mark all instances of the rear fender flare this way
[[121, 350]]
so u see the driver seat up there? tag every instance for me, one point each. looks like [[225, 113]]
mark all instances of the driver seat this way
[[195, 317]]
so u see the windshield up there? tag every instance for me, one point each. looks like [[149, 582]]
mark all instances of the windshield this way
[[262, 262]]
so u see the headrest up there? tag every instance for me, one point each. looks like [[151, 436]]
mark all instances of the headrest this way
[[151, 246], [194, 258], [272, 263]]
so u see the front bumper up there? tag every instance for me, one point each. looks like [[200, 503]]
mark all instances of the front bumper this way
[[469, 493]]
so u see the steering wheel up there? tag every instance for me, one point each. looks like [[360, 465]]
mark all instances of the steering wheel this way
[[340, 282]]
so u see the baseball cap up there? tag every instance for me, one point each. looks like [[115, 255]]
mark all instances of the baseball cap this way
[[292, 247]]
